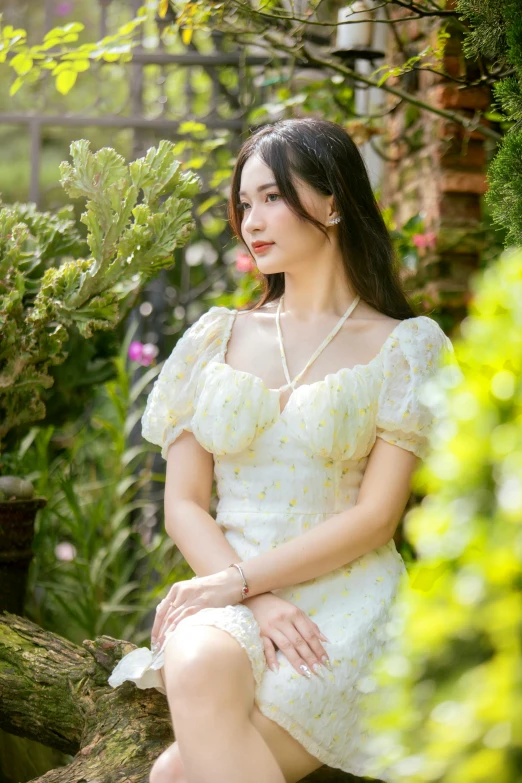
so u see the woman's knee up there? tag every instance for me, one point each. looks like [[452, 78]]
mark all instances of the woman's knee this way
[[203, 657], [168, 767]]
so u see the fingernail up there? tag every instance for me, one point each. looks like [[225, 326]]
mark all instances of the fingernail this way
[[325, 638], [306, 671], [326, 662], [318, 669], [273, 667]]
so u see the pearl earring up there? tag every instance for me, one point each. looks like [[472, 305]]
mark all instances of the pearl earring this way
[[334, 220]]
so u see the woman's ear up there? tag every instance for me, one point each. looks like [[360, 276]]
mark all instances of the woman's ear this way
[[332, 209]]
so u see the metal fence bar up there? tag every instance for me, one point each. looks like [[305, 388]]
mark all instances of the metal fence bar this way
[[35, 129], [195, 58], [115, 122]]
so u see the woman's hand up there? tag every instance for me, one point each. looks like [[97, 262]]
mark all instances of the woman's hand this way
[[295, 634], [192, 595]]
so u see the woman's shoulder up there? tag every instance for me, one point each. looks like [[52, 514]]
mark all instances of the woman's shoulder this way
[[420, 328], [211, 321], [418, 341], [205, 334]]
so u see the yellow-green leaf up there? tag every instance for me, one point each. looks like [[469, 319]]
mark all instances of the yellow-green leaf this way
[[74, 27], [206, 205], [22, 63], [127, 29], [56, 32], [80, 65], [9, 32], [65, 81], [62, 32], [191, 126], [163, 7], [16, 85]]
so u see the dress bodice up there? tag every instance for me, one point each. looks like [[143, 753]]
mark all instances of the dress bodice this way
[[337, 418]]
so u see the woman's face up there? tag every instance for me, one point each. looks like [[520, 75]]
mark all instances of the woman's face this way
[[265, 217]]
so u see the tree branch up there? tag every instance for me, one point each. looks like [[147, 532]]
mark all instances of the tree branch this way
[[470, 124], [56, 692], [420, 13]]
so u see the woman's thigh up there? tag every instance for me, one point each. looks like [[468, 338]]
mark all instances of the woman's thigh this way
[[294, 761]]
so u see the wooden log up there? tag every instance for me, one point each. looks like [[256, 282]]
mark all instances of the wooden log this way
[[56, 692]]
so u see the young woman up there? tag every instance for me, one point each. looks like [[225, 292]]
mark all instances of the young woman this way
[[306, 410]]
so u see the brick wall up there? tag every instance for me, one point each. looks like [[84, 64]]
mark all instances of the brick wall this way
[[439, 167]]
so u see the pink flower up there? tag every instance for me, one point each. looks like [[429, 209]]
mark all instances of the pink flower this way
[[62, 9], [65, 551], [425, 240], [144, 353], [149, 353], [135, 351], [244, 262]]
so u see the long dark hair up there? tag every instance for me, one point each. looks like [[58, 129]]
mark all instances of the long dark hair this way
[[322, 154]]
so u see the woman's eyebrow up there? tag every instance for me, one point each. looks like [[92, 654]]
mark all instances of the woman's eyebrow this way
[[260, 188]]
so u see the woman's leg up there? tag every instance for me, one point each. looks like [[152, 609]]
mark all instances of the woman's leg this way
[[221, 734]]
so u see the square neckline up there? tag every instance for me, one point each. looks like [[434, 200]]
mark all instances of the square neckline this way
[[342, 371]]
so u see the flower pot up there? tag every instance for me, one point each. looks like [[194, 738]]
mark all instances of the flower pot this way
[[16, 538]]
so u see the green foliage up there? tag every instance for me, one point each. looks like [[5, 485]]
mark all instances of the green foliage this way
[[496, 34], [430, 57], [487, 34], [449, 708], [136, 216], [56, 55], [98, 566], [505, 188]]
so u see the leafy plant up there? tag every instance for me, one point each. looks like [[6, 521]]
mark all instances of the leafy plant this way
[[136, 215], [56, 55], [496, 34], [99, 567], [448, 706]]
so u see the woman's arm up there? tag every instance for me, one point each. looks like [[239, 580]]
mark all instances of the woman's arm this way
[[188, 489]]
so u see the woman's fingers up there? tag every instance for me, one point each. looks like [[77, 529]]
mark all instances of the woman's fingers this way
[[310, 634], [161, 612], [296, 650], [270, 653], [172, 620]]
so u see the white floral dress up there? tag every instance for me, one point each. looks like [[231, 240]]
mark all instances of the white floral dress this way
[[279, 474]]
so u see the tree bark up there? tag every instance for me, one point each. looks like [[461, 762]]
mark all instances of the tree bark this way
[[56, 692]]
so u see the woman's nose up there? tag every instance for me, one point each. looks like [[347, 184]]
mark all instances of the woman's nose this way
[[253, 219]]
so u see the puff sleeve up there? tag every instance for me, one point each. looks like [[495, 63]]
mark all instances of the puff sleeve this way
[[170, 404], [411, 359]]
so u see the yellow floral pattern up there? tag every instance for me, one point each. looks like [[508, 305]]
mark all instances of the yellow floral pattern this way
[[279, 474]]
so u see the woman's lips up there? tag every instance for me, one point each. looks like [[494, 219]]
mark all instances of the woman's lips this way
[[262, 248]]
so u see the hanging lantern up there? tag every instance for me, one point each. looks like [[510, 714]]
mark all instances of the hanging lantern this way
[[357, 39]]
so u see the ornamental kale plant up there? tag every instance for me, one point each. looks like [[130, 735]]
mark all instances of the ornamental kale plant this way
[[51, 287]]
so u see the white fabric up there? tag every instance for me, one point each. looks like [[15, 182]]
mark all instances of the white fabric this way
[[281, 474]]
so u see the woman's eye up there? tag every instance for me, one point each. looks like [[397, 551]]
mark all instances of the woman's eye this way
[[243, 204]]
